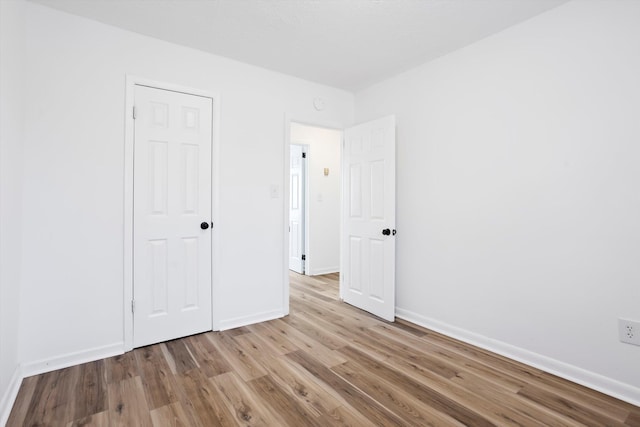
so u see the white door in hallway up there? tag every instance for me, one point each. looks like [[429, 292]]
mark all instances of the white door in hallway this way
[[367, 278], [172, 257], [296, 208]]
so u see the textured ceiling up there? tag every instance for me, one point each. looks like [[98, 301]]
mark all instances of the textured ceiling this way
[[348, 44]]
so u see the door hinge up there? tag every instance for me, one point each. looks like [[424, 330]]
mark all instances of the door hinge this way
[[135, 112], [133, 306], [304, 155], [304, 257]]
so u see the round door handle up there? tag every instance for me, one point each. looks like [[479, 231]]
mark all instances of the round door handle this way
[[386, 232], [204, 225]]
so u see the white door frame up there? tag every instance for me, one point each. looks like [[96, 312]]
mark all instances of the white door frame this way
[[131, 82], [309, 121]]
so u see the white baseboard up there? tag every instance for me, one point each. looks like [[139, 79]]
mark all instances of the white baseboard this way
[[9, 398], [595, 381], [71, 359], [237, 322], [320, 271]]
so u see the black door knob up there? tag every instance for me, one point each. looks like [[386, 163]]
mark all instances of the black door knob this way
[[204, 225], [386, 232]]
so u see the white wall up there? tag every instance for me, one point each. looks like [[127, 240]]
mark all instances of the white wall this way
[[517, 195], [518, 206], [12, 26], [72, 298], [323, 194]]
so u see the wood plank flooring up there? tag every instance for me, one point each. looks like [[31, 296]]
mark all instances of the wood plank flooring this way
[[326, 364]]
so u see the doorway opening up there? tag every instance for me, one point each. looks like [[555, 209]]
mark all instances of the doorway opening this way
[[314, 199], [364, 223]]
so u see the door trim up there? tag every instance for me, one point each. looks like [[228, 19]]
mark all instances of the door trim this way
[[131, 82], [310, 121]]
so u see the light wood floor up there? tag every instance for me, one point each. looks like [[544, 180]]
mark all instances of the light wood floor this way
[[326, 364]]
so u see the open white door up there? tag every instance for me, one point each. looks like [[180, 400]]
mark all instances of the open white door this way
[[367, 271], [171, 215], [296, 209]]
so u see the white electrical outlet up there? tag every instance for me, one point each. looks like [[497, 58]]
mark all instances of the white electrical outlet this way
[[629, 331]]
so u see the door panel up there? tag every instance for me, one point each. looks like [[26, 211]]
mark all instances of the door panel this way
[[296, 209], [172, 197], [158, 266], [368, 263]]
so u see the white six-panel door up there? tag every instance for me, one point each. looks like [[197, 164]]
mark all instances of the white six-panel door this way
[[367, 277], [172, 205], [296, 209]]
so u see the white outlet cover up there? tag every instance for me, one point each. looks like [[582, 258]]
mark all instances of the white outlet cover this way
[[629, 331]]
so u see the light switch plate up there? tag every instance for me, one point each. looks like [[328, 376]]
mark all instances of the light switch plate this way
[[275, 191]]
